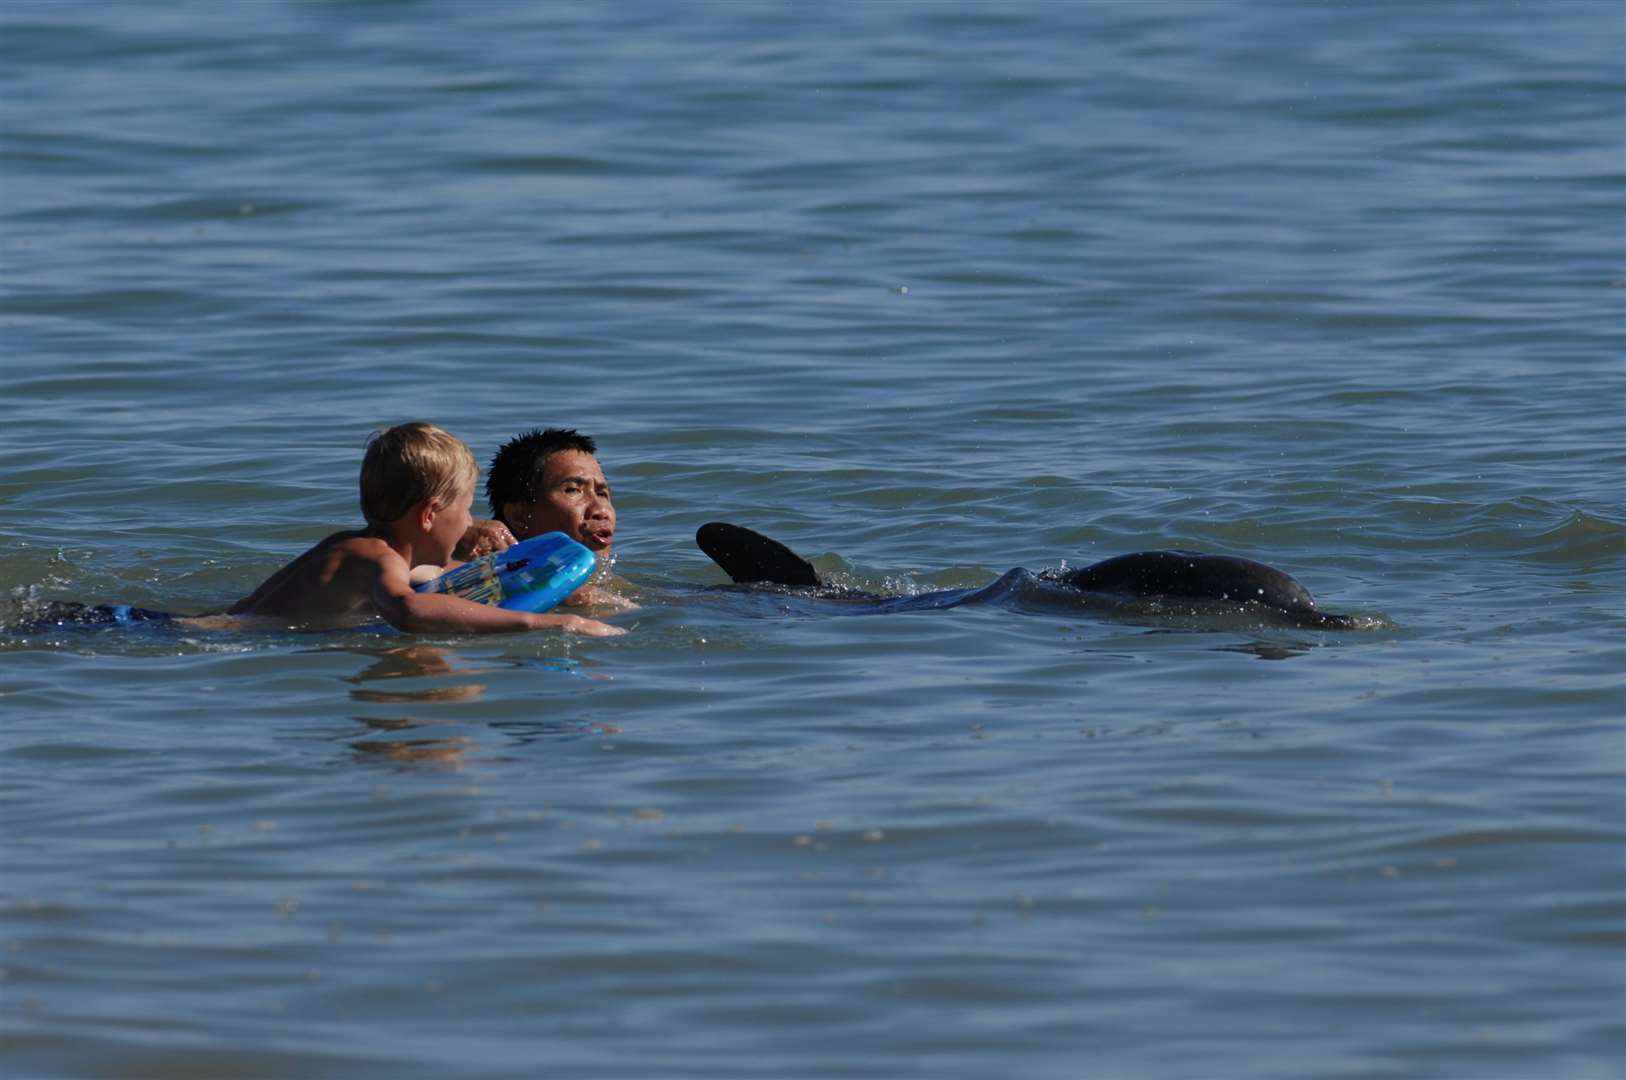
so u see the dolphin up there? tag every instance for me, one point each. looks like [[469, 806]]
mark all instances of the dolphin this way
[[748, 558]]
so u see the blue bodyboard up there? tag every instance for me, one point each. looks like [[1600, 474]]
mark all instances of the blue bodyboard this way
[[533, 575]]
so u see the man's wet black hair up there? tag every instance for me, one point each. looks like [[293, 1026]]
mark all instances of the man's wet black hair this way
[[516, 469]]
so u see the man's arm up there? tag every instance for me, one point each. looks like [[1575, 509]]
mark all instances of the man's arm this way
[[599, 597], [482, 538]]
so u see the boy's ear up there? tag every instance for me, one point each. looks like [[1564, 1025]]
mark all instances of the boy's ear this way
[[426, 512]]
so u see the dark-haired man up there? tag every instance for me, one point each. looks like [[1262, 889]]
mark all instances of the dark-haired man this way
[[549, 480]]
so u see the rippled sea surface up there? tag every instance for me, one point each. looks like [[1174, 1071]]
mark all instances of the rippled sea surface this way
[[927, 291]]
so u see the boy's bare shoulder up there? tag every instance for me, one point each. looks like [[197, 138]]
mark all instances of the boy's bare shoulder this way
[[333, 579], [354, 542]]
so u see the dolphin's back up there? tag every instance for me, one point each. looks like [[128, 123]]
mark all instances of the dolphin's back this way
[[1192, 575]]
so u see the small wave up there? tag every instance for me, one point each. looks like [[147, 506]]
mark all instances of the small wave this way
[[1582, 539], [1523, 528]]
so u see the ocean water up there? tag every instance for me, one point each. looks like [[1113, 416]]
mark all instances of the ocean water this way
[[926, 291]]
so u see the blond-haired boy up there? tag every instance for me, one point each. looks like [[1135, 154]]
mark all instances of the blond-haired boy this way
[[417, 484]]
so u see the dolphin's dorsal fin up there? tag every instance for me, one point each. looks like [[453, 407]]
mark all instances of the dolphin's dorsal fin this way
[[748, 557]]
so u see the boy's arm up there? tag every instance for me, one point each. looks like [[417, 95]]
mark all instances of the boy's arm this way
[[418, 613]]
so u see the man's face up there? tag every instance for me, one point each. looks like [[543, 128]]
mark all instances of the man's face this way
[[572, 497]]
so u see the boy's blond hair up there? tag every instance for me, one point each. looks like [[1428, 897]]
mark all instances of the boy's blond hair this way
[[411, 463]]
